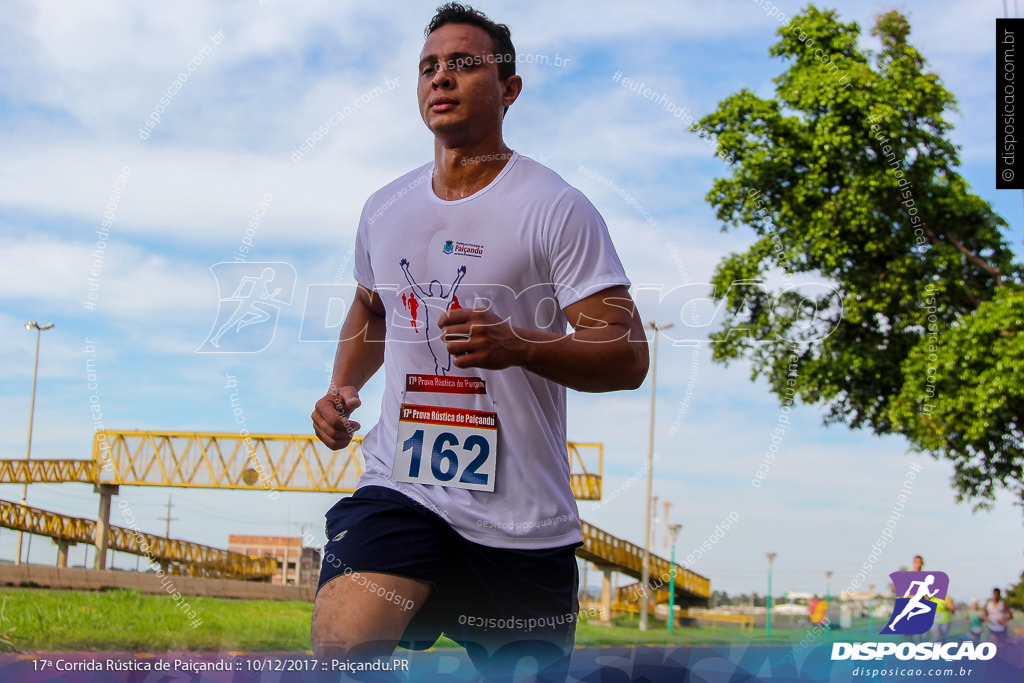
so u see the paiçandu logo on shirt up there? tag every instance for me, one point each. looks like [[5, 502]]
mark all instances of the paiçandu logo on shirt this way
[[463, 248]]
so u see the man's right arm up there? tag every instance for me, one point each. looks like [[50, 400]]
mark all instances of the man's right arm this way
[[360, 354]]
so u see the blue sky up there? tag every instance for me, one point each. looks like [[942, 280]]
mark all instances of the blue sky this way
[[78, 80]]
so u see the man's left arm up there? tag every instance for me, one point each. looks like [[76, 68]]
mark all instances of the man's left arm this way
[[606, 351]]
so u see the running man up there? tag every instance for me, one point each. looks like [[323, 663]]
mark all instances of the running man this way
[[917, 565], [998, 615], [424, 545], [914, 606]]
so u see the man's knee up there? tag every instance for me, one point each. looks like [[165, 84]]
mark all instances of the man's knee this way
[[330, 633], [342, 635], [351, 621]]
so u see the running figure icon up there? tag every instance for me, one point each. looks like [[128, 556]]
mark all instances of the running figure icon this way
[[249, 311], [915, 606], [442, 301]]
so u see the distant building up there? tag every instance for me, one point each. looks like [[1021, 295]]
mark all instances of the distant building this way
[[297, 566]]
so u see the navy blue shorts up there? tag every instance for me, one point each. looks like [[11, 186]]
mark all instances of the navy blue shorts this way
[[486, 599]]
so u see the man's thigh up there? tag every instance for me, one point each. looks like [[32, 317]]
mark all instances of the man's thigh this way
[[364, 614], [383, 556]]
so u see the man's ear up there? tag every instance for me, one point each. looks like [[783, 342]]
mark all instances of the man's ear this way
[[512, 87]]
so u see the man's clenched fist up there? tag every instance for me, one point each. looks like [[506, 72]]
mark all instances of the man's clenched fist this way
[[330, 417]]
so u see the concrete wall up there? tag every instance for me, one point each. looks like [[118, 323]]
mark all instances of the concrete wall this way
[[94, 579]]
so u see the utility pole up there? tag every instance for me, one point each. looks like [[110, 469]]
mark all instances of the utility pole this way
[[284, 565], [168, 518], [645, 581]]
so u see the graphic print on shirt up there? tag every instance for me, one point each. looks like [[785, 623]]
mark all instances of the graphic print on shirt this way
[[433, 297]]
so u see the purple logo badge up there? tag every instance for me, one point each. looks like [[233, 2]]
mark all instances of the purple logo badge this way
[[914, 613]]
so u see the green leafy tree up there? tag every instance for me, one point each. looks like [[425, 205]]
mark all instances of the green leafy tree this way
[[1015, 596], [847, 175]]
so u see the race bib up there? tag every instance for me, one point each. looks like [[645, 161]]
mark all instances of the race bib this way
[[444, 445]]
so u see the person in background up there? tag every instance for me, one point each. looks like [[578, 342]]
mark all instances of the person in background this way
[[998, 614], [944, 610], [917, 565], [974, 619]]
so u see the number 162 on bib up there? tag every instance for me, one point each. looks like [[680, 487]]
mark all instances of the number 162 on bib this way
[[446, 447]]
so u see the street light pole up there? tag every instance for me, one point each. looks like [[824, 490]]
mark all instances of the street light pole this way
[[871, 611], [654, 521], [31, 325], [645, 581], [768, 621], [828, 604], [674, 530]]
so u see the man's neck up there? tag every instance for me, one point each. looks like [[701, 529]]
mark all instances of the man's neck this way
[[461, 171]]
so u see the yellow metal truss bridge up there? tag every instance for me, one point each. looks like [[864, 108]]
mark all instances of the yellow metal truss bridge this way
[[271, 462]]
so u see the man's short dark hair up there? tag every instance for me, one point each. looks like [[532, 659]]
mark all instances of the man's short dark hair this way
[[501, 35]]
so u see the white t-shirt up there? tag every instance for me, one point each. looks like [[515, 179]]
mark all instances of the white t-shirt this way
[[526, 246], [995, 613]]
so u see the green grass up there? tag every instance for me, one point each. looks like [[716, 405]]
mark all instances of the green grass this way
[[624, 632], [37, 620], [61, 621]]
